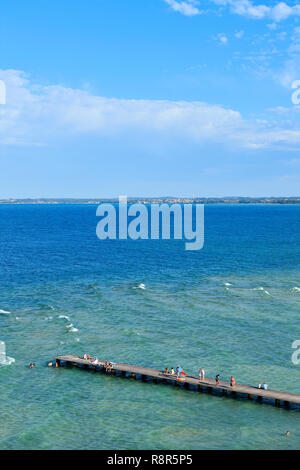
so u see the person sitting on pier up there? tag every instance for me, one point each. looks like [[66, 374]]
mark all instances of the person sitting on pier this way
[[166, 371], [259, 385], [95, 362], [108, 366], [172, 371], [232, 381], [217, 379], [183, 373], [201, 374], [264, 386], [85, 356]]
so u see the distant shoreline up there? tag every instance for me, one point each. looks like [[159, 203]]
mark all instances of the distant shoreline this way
[[159, 200]]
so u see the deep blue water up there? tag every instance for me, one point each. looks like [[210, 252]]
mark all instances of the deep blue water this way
[[232, 307]]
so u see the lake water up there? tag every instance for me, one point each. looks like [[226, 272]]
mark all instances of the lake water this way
[[232, 308]]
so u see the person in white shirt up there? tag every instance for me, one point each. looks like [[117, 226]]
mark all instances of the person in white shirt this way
[[201, 374]]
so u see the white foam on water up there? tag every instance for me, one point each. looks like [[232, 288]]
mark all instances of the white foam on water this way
[[140, 286], [295, 289], [4, 312], [4, 359], [65, 317], [262, 289], [71, 328], [227, 284]]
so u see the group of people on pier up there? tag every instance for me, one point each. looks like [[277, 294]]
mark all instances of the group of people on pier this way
[[178, 372], [201, 373]]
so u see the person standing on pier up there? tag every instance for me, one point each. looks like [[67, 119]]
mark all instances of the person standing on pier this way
[[201, 374], [232, 381], [217, 379]]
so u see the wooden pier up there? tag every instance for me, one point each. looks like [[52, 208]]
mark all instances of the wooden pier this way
[[188, 381]]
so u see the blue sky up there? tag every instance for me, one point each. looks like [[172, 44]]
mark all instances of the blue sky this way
[[149, 98]]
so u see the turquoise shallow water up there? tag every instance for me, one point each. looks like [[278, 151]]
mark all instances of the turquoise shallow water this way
[[232, 307]]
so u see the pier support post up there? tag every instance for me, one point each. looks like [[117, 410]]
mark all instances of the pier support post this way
[[249, 396], [277, 402]]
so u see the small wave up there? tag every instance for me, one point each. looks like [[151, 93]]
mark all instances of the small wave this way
[[295, 289], [140, 286], [262, 289], [4, 312], [227, 284], [71, 328], [65, 317]]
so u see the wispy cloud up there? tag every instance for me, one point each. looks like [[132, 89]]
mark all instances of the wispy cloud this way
[[222, 38], [187, 8], [280, 11], [55, 112]]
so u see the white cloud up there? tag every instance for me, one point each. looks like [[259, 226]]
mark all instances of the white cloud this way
[[38, 115], [223, 38], [280, 11], [239, 34], [187, 8]]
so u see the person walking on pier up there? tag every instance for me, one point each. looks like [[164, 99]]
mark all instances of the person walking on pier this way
[[201, 374]]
